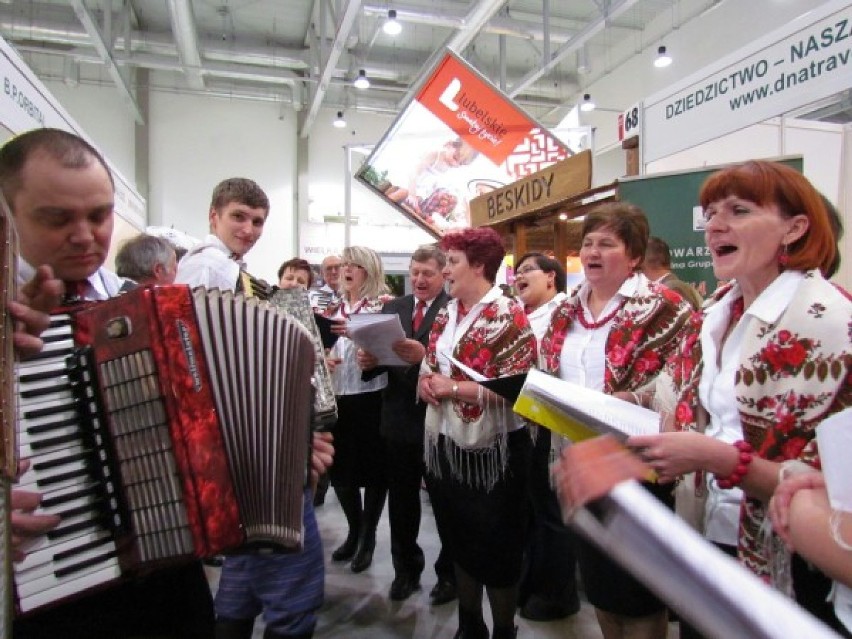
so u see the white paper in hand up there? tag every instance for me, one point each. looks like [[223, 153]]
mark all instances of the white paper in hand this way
[[376, 333], [834, 438]]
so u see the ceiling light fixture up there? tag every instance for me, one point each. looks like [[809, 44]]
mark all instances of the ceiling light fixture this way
[[392, 26], [361, 82], [339, 122], [663, 59], [588, 104]]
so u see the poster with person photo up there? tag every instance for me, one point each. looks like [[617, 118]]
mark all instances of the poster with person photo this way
[[459, 137]]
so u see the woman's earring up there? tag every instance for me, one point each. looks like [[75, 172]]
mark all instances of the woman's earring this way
[[783, 257]]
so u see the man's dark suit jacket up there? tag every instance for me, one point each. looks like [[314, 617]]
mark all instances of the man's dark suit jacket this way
[[402, 414]]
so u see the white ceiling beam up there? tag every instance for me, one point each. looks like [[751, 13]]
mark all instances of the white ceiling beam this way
[[474, 22], [341, 35], [186, 40], [615, 9], [88, 22]]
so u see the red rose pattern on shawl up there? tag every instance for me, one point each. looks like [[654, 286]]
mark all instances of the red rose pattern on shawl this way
[[643, 337], [498, 343], [779, 421]]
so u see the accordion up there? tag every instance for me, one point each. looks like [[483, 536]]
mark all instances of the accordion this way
[[296, 303], [163, 425]]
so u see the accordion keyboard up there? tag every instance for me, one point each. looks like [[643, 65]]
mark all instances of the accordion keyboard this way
[[67, 468]]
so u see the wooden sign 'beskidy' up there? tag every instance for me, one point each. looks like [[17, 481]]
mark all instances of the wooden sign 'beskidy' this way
[[535, 192]]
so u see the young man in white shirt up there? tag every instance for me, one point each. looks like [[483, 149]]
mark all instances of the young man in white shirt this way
[[287, 588], [238, 211]]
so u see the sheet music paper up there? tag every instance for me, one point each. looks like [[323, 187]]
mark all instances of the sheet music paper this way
[[710, 589], [578, 413], [376, 333], [834, 438]]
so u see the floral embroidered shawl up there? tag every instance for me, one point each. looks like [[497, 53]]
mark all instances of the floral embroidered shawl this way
[[792, 374], [645, 334], [498, 342]]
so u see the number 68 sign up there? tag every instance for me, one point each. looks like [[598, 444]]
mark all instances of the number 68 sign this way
[[629, 122]]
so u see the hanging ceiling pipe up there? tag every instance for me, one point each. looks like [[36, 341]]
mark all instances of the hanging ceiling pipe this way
[[186, 40], [592, 29], [87, 20]]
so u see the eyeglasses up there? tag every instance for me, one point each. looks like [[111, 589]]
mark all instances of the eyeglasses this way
[[527, 269], [345, 264]]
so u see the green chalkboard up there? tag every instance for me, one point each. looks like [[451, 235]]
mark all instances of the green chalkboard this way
[[670, 200]]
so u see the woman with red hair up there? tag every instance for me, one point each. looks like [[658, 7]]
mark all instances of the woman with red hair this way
[[768, 359], [476, 448]]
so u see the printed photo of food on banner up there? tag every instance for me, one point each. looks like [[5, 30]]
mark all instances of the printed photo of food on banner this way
[[458, 138]]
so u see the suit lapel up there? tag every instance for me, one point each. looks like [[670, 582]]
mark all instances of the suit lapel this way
[[406, 315], [436, 306]]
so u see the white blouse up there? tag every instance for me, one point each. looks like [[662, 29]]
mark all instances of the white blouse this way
[[346, 377], [583, 359], [716, 389]]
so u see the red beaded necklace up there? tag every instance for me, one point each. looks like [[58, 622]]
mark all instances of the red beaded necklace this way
[[590, 326]]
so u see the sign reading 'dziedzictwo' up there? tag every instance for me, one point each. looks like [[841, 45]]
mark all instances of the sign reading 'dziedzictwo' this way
[[807, 60], [458, 138]]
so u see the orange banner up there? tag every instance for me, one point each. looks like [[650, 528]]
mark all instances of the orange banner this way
[[474, 111]]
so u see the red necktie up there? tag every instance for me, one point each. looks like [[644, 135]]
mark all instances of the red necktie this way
[[418, 315], [75, 290]]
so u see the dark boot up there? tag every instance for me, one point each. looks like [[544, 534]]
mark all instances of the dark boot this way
[[234, 628], [350, 503], [509, 632], [471, 625], [374, 503]]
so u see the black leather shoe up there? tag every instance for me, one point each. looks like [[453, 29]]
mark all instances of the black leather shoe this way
[[346, 550], [443, 592], [403, 586]]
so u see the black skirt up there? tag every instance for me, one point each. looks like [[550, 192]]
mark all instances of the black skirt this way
[[611, 588], [486, 531], [359, 457]]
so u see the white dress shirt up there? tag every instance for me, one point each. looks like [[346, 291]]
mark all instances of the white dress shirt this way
[[103, 284], [210, 265], [540, 317]]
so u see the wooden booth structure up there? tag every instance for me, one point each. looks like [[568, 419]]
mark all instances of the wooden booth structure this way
[[536, 213]]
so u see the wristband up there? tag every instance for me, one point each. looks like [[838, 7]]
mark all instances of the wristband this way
[[455, 390]]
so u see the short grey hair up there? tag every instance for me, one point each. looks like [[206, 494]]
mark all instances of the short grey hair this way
[[139, 255], [430, 252], [370, 261]]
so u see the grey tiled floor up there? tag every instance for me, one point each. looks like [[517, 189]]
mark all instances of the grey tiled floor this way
[[357, 605]]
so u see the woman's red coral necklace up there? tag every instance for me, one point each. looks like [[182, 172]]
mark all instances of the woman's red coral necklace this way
[[590, 326]]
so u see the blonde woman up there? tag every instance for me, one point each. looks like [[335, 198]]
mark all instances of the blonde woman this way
[[359, 459]]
